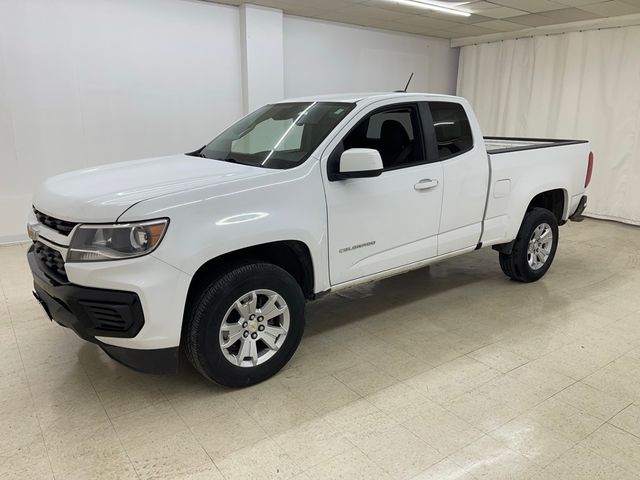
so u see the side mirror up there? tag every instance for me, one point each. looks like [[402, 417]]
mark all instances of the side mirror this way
[[360, 163]]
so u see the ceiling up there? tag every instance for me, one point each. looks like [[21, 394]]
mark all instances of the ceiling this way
[[487, 17]]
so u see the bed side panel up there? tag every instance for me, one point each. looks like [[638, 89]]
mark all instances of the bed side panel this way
[[518, 176]]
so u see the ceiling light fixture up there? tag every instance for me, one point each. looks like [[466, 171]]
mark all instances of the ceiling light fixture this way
[[431, 6]]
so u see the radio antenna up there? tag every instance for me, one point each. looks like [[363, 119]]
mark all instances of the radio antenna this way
[[408, 82], [407, 85]]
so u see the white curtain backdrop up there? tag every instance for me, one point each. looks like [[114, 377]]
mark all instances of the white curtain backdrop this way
[[583, 85]]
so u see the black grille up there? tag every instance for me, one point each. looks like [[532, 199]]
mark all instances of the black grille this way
[[51, 262], [108, 317], [61, 226]]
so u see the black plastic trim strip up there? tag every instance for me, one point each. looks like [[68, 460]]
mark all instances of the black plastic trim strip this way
[[157, 361], [428, 133], [577, 215], [550, 142]]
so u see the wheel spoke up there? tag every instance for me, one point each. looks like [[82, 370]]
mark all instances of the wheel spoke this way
[[234, 336], [246, 305], [545, 235], [242, 308], [274, 330], [252, 302], [269, 340], [231, 328], [269, 305], [274, 312], [536, 234], [253, 352], [245, 351]]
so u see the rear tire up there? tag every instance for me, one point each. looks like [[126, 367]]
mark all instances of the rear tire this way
[[534, 248], [245, 325]]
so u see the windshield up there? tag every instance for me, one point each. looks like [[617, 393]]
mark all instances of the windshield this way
[[282, 135]]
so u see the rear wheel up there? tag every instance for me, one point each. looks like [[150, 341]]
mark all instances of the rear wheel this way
[[534, 248], [245, 325]]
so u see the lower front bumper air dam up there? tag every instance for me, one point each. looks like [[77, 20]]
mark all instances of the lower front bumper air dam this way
[[96, 312]]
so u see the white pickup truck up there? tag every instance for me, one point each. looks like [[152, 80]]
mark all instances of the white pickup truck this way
[[216, 250]]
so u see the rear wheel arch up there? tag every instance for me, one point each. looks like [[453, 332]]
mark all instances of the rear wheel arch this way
[[553, 200]]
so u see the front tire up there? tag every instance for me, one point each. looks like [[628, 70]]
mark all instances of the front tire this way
[[245, 325], [534, 248]]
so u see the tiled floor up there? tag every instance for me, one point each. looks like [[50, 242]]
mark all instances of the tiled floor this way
[[449, 372]]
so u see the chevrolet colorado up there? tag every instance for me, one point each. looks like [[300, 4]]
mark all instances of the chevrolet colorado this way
[[217, 250]]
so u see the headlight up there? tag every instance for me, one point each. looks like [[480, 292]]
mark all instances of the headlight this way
[[93, 243]]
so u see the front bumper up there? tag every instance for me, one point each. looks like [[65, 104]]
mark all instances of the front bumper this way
[[99, 315]]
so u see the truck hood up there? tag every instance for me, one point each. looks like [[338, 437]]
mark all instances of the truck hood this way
[[102, 194]]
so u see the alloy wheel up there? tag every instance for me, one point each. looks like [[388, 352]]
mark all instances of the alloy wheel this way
[[254, 328]]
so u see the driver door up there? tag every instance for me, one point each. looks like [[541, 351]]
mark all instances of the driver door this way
[[380, 223]]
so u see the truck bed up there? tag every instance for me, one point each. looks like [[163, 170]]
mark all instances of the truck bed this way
[[514, 144], [523, 167]]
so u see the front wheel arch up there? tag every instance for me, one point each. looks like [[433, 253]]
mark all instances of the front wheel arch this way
[[293, 256]]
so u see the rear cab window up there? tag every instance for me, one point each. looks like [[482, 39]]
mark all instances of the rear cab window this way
[[452, 129]]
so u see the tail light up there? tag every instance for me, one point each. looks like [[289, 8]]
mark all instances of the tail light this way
[[587, 180]]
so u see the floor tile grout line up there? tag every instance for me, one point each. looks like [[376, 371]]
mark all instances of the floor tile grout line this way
[[26, 376], [545, 400], [575, 443], [501, 443], [110, 420], [329, 375], [600, 455], [576, 340], [353, 445], [621, 428], [319, 415], [269, 435], [581, 380], [196, 438], [490, 366], [518, 415]]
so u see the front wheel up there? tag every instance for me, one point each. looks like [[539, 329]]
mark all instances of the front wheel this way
[[534, 248], [245, 325]]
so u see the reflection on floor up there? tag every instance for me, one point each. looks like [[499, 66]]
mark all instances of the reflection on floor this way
[[449, 372]]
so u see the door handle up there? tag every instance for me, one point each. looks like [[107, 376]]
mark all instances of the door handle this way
[[426, 184]]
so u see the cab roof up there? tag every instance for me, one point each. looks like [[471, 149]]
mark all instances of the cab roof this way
[[361, 97]]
